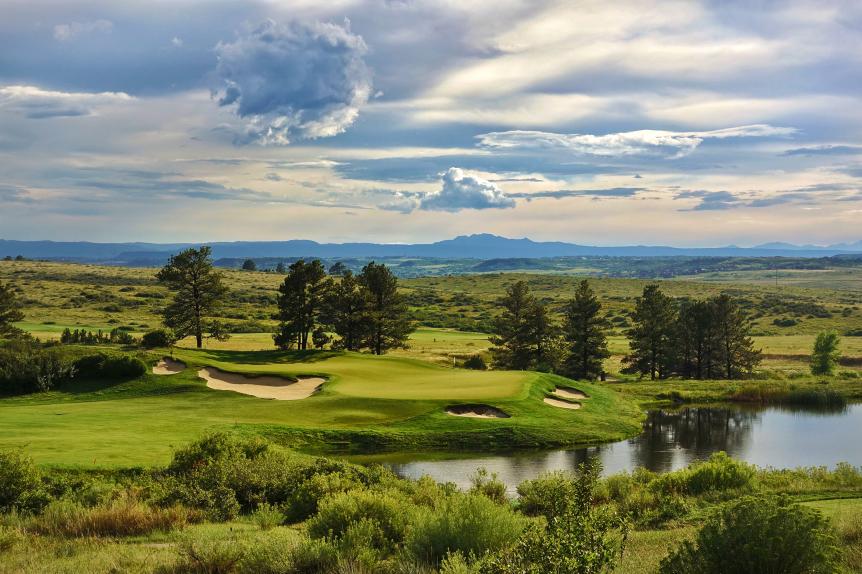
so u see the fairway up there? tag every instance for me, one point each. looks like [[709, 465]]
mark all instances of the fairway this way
[[367, 403]]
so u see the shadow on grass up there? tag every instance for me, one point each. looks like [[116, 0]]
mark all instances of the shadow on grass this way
[[272, 357]]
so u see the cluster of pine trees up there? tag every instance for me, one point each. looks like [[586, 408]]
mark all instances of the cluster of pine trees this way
[[706, 339], [84, 337], [365, 310]]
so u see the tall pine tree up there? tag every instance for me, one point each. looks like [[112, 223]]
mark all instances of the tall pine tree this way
[[300, 303], [10, 311], [345, 312], [198, 292], [387, 319], [652, 338], [584, 334], [523, 330]]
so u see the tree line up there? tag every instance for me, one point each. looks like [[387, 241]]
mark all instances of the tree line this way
[[692, 339], [366, 311]]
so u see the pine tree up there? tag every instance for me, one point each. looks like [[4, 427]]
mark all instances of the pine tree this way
[[10, 311], [387, 319], [345, 312], [300, 303], [584, 334], [519, 329], [652, 337], [736, 355], [198, 292]]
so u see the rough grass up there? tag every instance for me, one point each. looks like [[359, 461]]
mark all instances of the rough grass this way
[[124, 517]]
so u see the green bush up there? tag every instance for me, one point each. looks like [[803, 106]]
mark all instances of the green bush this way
[[21, 487], [123, 517], [158, 338], [104, 366], [547, 495], [476, 362], [27, 367], [489, 485], [208, 554], [387, 512], [581, 539], [466, 523], [267, 516], [756, 534], [719, 473]]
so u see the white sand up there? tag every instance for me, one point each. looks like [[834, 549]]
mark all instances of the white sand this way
[[266, 387], [561, 404], [169, 366], [569, 393], [476, 412]]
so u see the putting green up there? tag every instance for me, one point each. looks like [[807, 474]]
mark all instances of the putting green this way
[[367, 404]]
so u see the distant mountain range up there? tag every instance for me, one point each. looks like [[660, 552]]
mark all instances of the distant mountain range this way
[[479, 246]]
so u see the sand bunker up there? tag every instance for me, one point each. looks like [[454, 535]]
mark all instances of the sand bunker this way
[[569, 393], [476, 411], [267, 387], [561, 404], [169, 366]]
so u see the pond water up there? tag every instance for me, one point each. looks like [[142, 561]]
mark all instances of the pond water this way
[[780, 437]]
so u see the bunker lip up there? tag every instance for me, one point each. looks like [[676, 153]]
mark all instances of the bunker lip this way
[[477, 411], [569, 393], [168, 366], [263, 387], [561, 404]]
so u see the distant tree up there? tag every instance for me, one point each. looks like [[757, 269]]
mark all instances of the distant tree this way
[[158, 338], [337, 269], [475, 362], [824, 358], [522, 331], [387, 320], [280, 268], [652, 336], [345, 312], [585, 335], [10, 311], [320, 338], [249, 265], [20, 258], [198, 292], [7, 258], [300, 303]]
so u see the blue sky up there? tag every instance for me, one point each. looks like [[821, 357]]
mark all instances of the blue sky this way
[[653, 122]]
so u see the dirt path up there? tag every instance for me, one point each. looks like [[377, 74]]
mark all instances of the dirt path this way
[[169, 366], [265, 387]]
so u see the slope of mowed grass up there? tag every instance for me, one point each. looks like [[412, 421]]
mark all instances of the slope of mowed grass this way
[[368, 403]]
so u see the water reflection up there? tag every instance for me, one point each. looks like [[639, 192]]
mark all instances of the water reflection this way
[[672, 439]]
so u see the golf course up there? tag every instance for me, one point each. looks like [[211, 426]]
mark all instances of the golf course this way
[[366, 403]]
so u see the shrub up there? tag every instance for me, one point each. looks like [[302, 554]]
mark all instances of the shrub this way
[[267, 516], [475, 362], [547, 495], [719, 473], [756, 534], [468, 523], [387, 513], [158, 338], [27, 367], [210, 554], [124, 517], [579, 540], [489, 485], [101, 365], [20, 483]]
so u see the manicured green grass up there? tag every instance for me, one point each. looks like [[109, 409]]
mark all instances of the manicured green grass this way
[[368, 403]]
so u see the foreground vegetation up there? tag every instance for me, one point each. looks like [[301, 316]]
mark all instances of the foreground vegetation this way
[[227, 504]]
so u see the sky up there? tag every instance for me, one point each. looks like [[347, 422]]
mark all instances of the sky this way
[[691, 123]]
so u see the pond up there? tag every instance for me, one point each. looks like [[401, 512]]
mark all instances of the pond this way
[[780, 437]]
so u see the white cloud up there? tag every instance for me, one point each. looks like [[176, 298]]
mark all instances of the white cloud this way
[[65, 32], [36, 103], [462, 190], [640, 143], [304, 80]]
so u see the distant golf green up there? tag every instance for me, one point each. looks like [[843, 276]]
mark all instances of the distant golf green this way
[[368, 403]]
